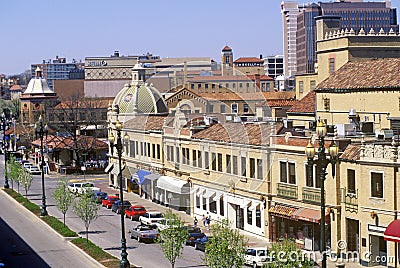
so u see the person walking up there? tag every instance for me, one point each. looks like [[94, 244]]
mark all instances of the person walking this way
[[195, 221], [204, 220], [208, 220]]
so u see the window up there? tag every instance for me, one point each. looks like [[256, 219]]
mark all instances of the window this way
[[312, 84], [212, 86], [153, 150], [222, 108], [234, 107], [327, 104], [245, 108], [301, 86], [249, 216], [177, 155], [219, 162], [287, 172], [243, 166], [206, 86], [194, 157], [204, 204], [213, 205], [221, 205], [258, 216], [377, 184], [259, 169], [191, 86], [159, 151], [213, 162], [199, 158], [235, 165], [132, 149], [197, 201], [351, 181], [331, 65], [206, 160], [228, 163], [252, 168]]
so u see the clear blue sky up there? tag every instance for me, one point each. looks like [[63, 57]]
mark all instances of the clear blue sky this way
[[37, 30]]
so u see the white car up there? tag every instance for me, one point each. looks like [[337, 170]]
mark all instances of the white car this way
[[257, 256], [162, 224], [83, 187], [34, 170], [151, 218], [27, 164]]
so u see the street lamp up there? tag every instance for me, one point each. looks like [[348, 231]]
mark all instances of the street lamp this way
[[321, 162], [4, 124], [118, 127], [42, 131]]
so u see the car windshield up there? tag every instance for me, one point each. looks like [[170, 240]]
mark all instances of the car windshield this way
[[88, 185], [144, 228], [139, 209], [261, 252], [156, 215]]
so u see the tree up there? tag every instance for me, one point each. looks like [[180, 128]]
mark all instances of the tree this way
[[285, 254], [63, 196], [173, 238], [226, 247], [13, 170], [25, 179], [86, 208]]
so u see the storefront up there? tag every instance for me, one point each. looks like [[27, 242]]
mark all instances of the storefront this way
[[300, 224], [147, 182], [174, 193]]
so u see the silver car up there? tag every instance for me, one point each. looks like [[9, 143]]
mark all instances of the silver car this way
[[143, 233]]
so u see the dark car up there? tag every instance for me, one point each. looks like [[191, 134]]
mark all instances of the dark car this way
[[99, 196], [200, 243], [134, 212], [109, 201], [194, 233], [116, 207]]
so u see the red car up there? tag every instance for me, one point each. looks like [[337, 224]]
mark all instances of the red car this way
[[109, 201], [134, 212]]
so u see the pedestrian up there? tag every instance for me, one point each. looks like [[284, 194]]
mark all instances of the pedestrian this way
[[208, 220], [195, 222], [204, 220]]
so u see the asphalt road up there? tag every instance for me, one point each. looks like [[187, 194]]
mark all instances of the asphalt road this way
[[105, 230]]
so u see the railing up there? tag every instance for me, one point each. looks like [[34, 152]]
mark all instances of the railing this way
[[349, 199], [311, 195], [287, 190]]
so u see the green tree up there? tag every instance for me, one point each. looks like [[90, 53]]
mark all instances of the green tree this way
[[63, 196], [285, 254], [13, 170], [25, 179], [226, 247], [173, 238], [86, 208]]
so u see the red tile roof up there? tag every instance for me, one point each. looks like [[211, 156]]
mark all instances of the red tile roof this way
[[227, 48], [351, 153], [283, 210], [380, 74], [305, 105], [143, 122], [82, 142], [278, 103], [248, 59], [254, 134], [15, 88], [247, 96], [85, 103]]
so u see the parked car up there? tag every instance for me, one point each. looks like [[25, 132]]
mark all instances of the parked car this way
[[151, 218], [34, 170], [162, 224], [200, 243], [83, 187], [194, 233], [27, 164], [109, 201], [257, 256], [134, 212], [99, 196], [117, 206], [143, 233]]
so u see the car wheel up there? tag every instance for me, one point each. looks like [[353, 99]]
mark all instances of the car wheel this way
[[131, 218], [255, 265], [196, 247], [138, 238], [131, 235]]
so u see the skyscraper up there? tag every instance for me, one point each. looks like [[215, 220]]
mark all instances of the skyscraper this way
[[289, 10]]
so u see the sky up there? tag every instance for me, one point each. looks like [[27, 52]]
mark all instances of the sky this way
[[36, 30]]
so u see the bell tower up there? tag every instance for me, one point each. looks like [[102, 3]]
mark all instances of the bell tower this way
[[227, 61]]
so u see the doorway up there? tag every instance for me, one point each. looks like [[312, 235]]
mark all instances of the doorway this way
[[239, 217], [353, 235]]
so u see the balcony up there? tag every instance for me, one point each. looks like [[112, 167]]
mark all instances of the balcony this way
[[349, 199], [311, 195], [287, 190]]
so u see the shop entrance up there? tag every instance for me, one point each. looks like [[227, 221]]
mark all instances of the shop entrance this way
[[353, 235], [378, 249]]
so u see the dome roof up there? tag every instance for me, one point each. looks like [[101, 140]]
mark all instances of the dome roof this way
[[38, 85], [140, 99]]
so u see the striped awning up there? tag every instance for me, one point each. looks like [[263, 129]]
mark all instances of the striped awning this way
[[281, 210]]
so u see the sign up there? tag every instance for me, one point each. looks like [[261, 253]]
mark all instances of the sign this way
[[376, 228], [96, 63]]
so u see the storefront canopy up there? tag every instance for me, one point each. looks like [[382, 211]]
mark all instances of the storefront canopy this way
[[140, 176], [173, 185], [308, 214], [109, 167], [283, 211], [392, 232]]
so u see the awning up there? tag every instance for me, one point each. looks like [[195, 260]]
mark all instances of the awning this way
[[115, 170], [152, 177], [173, 185], [217, 196], [140, 176], [109, 167], [253, 205], [392, 232], [200, 191], [283, 211], [308, 214], [127, 172], [245, 203], [208, 193]]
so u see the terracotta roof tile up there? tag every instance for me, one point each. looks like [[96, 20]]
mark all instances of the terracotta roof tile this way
[[283, 210], [82, 142], [147, 123], [351, 153], [226, 48], [255, 134], [305, 105], [368, 74], [255, 96], [85, 103], [15, 88], [278, 103], [248, 59]]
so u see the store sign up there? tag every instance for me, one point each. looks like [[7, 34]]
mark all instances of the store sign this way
[[96, 63], [376, 228]]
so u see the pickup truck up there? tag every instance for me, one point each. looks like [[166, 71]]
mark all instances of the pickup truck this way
[[257, 257], [83, 187]]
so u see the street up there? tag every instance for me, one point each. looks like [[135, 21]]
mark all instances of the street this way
[[105, 230]]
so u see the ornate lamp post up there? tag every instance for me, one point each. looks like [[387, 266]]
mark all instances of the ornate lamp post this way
[[42, 131], [321, 162], [118, 127], [4, 124]]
